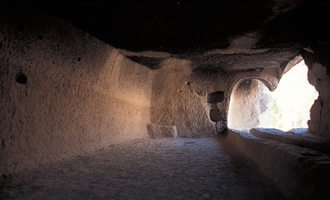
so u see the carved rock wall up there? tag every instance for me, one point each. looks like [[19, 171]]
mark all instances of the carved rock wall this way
[[173, 103], [320, 111], [64, 93]]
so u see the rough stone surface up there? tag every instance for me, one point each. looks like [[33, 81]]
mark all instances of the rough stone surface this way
[[205, 168], [63, 92], [320, 111], [301, 173], [159, 131], [246, 26], [303, 140], [180, 97], [174, 104]]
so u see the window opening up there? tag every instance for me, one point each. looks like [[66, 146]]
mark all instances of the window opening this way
[[288, 107]]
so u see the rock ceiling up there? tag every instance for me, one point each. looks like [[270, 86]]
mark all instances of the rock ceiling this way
[[219, 35]]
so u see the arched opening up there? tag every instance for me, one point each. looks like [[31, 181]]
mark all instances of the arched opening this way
[[288, 107]]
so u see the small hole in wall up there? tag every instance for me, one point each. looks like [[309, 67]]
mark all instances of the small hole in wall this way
[[3, 145], [215, 97], [6, 176], [215, 115], [79, 59], [21, 78]]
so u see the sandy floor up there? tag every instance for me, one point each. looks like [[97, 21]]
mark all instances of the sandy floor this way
[[206, 168]]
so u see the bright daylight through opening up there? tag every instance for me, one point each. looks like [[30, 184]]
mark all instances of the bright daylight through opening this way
[[286, 108]]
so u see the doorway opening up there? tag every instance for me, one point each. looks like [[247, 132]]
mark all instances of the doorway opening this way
[[288, 107]]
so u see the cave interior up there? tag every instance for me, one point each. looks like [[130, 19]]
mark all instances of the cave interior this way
[[78, 76]]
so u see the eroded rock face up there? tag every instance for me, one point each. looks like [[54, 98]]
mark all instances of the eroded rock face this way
[[161, 131], [185, 26], [174, 103], [320, 111], [63, 92]]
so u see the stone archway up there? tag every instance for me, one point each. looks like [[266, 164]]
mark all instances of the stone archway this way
[[244, 104], [287, 107]]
